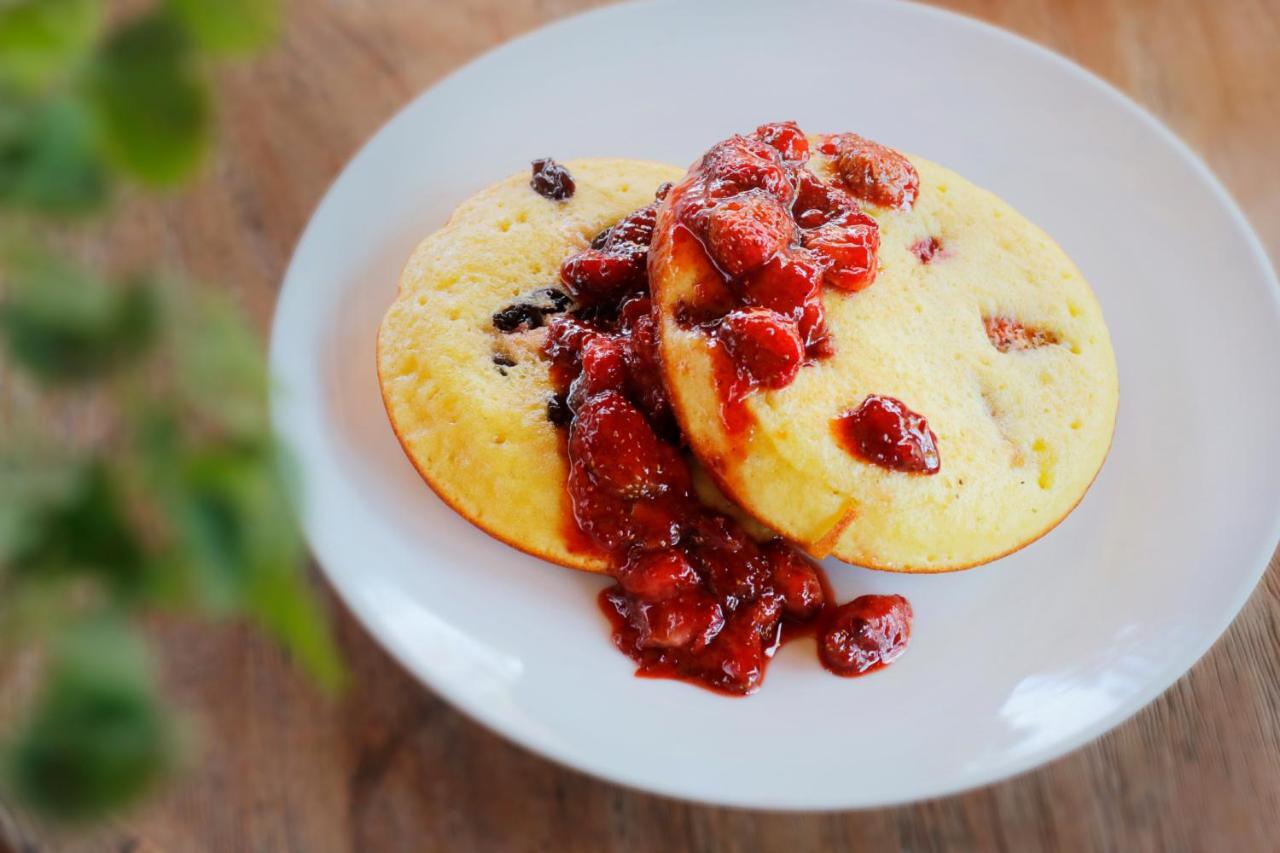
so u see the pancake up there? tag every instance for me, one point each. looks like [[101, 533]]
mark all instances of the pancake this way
[[976, 320], [468, 402]]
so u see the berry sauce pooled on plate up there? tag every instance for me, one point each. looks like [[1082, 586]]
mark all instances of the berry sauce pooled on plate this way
[[695, 597]]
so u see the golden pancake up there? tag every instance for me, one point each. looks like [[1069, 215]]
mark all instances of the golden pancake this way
[[469, 402], [976, 320]]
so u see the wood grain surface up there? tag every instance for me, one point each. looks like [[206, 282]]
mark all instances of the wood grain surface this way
[[392, 768]]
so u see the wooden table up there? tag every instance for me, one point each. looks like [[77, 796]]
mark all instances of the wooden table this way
[[391, 767]]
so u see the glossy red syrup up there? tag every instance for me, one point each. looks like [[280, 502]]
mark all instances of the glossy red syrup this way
[[695, 598]]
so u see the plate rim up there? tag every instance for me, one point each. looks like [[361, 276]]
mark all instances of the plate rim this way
[[497, 722]]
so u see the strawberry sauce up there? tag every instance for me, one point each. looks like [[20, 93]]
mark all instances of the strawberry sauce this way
[[695, 598]]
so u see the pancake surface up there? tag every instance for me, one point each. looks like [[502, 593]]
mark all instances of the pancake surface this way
[[474, 425], [1021, 432]]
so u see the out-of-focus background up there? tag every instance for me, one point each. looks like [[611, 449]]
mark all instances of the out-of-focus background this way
[[218, 698]]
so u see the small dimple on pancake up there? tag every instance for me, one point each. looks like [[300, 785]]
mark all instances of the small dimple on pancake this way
[[1021, 433], [481, 439]]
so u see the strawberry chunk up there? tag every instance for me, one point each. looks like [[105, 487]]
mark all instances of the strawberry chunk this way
[[692, 619], [795, 579], [604, 368], [615, 442], [739, 164], [865, 634], [764, 345], [787, 138], [926, 249], [598, 275], [850, 250], [874, 172], [1007, 334], [884, 431], [786, 283], [657, 575], [745, 231], [818, 203]]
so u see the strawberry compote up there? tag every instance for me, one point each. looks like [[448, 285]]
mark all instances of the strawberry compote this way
[[778, 236], [695, 598]]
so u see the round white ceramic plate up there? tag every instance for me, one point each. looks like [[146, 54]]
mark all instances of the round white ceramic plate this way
[[1011, 664]]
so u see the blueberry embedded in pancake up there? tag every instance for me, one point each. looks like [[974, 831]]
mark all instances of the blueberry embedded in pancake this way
[[460, 362], [953, 390]]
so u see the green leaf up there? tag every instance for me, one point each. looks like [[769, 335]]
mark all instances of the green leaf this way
[[152, 101], [229, 26], [62, 324], [50, 160], [223, 492], [97, 738], [219, 365], [40, 39], [84, 529], [219, 491], [31, 479], [234, 527], [285, 605]]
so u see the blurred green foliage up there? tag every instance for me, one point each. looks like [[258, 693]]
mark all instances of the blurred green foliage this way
[[228, 26], [63, 324], [97, 737], [138, 470], [49, 157], [41, 39], [151, 102]]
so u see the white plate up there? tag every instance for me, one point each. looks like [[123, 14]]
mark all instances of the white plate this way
[[1011, 664]]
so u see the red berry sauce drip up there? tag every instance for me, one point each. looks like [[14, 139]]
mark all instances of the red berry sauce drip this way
[[1006, 334], [695, 598], [884, 431], [776, 233]]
